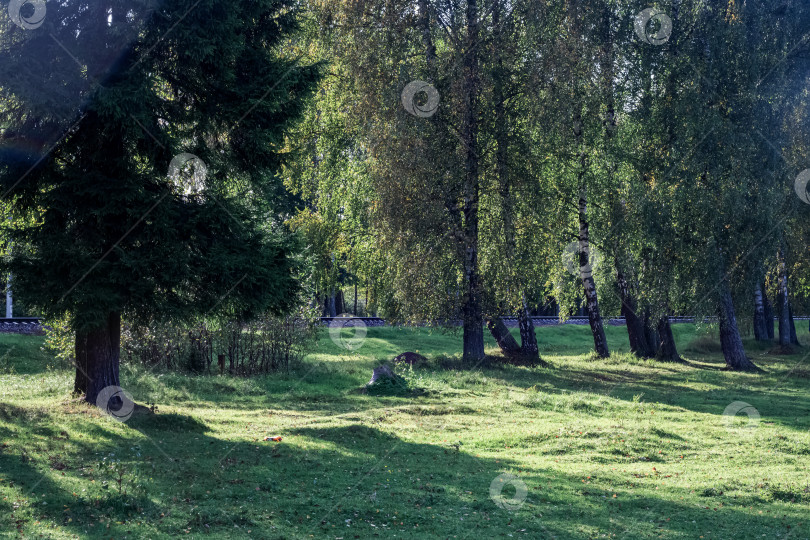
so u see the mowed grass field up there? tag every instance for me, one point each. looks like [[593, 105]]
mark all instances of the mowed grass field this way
[[617, 448]]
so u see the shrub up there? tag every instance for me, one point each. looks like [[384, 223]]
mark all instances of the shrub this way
[[389, 386], [59, 340], [268, 344]]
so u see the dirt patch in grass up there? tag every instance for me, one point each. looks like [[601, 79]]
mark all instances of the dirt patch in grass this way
[[704, 345], [783, 350]]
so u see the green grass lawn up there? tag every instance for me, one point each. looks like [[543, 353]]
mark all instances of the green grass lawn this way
[[617, 448]]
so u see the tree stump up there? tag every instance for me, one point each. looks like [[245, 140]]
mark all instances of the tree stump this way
[[382, 372], [410, 358]]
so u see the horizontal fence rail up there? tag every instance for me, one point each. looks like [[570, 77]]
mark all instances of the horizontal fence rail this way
[[539, 320], [380, 320], [21, 325]]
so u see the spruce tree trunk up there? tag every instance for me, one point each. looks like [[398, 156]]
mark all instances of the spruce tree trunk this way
[[768, 313], [634, 323], [588, 284], [760, 323], [730, 339], [528, 337], [97, 358], [473, 318], [667, 350], [503, 337]]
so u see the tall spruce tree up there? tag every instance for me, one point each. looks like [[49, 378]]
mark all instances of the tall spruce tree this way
[[96, 105]]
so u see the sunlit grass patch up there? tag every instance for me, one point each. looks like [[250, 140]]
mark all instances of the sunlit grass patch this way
[[617, 447]]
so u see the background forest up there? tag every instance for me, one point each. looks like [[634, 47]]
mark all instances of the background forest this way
[[219, 219]]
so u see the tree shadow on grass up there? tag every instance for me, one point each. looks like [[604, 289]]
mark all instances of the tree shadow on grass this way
[[711, 392], [448, 492], [151, 424], [332, 393], [38, 476], [352, 481], [129, 474]]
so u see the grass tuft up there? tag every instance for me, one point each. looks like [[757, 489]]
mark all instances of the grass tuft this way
[[587, 448]]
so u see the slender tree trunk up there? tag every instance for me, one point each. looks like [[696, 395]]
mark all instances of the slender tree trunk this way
[[575, 19], [667, 350], [355, 299], [528, 337], [503, 337], [427, 39], [9, 295], [634, 323], [589, 286], [635, 327], [473, 318], [97, 358], [784, 318], [340, 302], [371, 299], [730, 339], [9, 299], [585, 271], [783, 301], [760, 328], [794, 339], [473, 329], [766, 303], [651, 333], [473, 322]]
